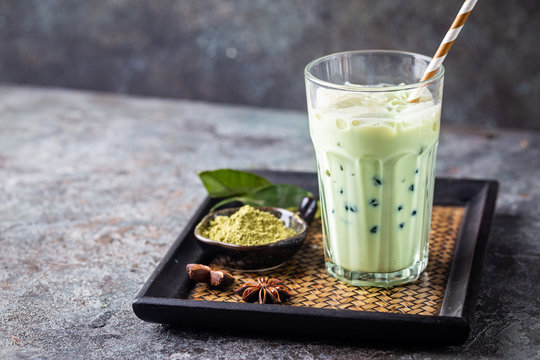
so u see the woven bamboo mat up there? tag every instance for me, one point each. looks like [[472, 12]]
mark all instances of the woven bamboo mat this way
[[306, 276]]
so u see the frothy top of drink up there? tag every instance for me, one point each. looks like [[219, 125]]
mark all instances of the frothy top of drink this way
[[372, 108]]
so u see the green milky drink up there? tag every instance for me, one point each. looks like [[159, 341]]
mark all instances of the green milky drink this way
[[376, 157]]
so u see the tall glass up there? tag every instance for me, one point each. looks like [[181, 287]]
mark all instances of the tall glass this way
[[375, 161]]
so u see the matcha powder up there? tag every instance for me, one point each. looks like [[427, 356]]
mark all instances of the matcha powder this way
[[247, 226]]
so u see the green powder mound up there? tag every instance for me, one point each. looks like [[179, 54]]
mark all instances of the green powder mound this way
[[247, 226]]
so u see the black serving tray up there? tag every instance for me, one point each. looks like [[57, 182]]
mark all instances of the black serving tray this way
[[164, 296]]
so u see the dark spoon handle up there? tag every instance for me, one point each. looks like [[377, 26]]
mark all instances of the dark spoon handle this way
[[307, 209]]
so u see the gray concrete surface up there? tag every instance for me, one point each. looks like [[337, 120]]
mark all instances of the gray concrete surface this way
[[94, 188], [254, 51]]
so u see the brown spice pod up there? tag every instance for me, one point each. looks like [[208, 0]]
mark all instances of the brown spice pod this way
[[198, 272], [220, 279]]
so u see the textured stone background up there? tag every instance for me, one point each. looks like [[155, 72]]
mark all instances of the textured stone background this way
[[253, 52], [95, 188]]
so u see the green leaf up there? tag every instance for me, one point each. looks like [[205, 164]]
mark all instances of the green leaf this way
[[277, 195], [228, 182], [224, 202]]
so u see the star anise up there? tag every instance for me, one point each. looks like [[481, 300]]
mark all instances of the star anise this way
[[264, 290]]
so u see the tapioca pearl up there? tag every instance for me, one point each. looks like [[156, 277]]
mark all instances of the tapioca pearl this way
[[374, 202], [411, 188], [401, 225], [341, 191], [332, 211], [400, 207], [341, 124], [377, 181], [416, 171], [374, 229], [353, 174], [327, 172], [413, 213], [339, 144], [340, 167], [351, 208]]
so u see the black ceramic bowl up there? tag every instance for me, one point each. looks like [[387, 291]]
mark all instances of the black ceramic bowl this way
[[255, 257]]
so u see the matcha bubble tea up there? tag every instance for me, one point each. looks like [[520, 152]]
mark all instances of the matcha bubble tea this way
[[375, 153]]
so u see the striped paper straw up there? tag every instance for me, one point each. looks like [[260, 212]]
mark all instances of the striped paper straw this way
[[445, 46]]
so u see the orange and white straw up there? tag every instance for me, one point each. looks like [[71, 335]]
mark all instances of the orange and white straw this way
[[445, 46]]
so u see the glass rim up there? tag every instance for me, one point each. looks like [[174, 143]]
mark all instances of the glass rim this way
[[362, 88]]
